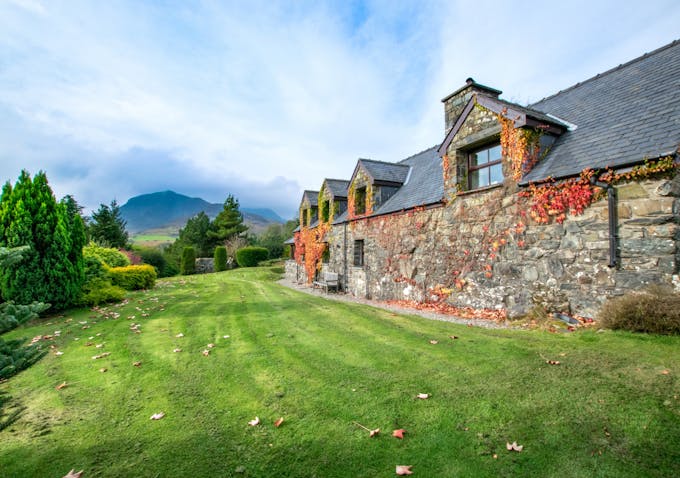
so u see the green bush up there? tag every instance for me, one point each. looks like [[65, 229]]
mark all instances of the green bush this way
[[654, 310], [100, 291], [156, 258], [188, 264], [220, 259], [250, 256], [107, 255], [133, 277]]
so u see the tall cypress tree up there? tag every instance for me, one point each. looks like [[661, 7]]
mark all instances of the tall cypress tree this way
[[51, 270]]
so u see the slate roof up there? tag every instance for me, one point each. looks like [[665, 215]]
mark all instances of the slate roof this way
[[337, 187], [425, 184], [623, 116], [311, 196], [381, 171]]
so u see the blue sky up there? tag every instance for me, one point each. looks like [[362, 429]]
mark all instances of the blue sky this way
[[264, 99]]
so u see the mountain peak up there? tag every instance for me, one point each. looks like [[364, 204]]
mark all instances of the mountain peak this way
[[169, 208]]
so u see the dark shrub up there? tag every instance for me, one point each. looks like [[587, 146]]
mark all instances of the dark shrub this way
[[251, 255], [133, 277], [100, 291], [220, 259], [188, 264], [654, 310], [156, 258]]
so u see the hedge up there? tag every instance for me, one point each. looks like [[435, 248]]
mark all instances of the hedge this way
[[133, 277], [220, 259], [188, 264], [250, 256]]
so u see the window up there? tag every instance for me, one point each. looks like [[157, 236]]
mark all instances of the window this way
[[359, 253], [485, 167], [360, 201], [325, 210]]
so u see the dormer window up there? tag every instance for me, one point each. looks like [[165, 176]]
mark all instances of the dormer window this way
[[360, 201], [325, 210], [485, 167]]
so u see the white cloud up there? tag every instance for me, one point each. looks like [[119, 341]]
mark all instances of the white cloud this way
[[140, 95]]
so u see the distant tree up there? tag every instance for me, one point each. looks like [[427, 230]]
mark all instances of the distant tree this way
[[51, 270], [228, 223], [14, 356], [272, 239], [195, 234], [107, 226]]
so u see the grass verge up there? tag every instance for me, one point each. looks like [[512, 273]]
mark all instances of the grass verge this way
[[610, 408]]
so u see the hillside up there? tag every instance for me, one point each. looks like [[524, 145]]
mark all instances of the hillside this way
[[169, 210]]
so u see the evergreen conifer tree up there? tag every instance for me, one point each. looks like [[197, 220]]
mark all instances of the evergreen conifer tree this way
[[30, 216], [228, 223], [14, 356], [107, 226]]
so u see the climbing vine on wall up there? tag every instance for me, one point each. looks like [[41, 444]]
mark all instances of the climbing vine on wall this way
[[352, 198], [521, 146], [309, 248], [556, 199]]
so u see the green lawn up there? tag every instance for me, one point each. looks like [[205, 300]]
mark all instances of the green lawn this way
[[610, 408]]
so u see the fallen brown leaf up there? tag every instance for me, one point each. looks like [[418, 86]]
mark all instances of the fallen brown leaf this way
[[177, 350], [254, 422], [137, 364], [423, 396], [211, 346], [434, 342], [157, 416], [61, 385], [374, 433], [206, 352], [103, 369], [404, 469], [102, 355], [399, 433], [453, 337], [552, 362], [278, 422]]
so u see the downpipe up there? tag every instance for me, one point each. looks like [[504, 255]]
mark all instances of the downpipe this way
[[613, 220]]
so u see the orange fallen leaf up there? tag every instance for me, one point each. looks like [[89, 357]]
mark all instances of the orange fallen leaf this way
[[665, 372], [157, 416], [278, 422], [137, 364], [373, 433], [254, 422], [514, 446], [404, 469], [74, 474], [61, 385], [423, 396], [399, 433]]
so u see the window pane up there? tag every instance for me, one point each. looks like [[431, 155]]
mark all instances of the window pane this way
[[477, 158], [496, 172], [495, 153], [479, 178]]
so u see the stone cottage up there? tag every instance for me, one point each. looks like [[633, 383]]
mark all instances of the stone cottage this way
[[561, 203]]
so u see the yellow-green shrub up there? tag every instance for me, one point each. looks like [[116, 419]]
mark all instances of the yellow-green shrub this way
[[133, 277]]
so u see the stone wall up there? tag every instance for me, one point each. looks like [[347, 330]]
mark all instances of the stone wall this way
[[482, 248]]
